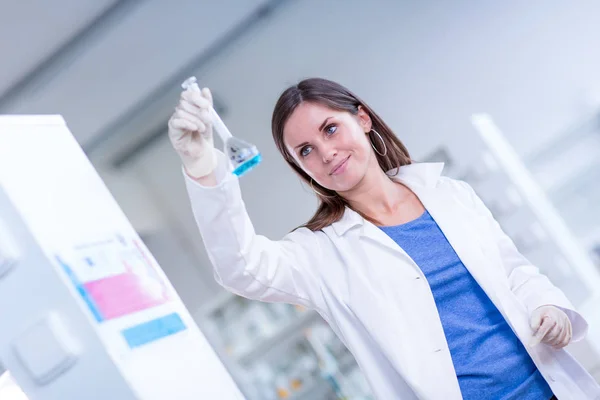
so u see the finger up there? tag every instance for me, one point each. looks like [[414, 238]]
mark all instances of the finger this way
[[196, 99], [183, 114], [202, 113], [207, 95], [190, 107], [546, 326], [181, 127], [563, 339], [568, 334], [205, 115], [536, 320], [553, 337], [181, 136], [184, 124]]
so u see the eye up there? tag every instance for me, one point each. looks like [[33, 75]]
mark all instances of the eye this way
[[305, 151], [330, 129]]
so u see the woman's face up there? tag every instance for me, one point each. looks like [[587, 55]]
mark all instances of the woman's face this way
[[331, 146]]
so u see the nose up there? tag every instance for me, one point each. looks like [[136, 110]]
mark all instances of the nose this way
[[329, 153]]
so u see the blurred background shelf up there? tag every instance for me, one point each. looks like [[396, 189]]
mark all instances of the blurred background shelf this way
[[568, 169], [266, 347], [280, 340]]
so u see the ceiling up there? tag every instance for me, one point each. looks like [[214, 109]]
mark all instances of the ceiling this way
[[99, 62]]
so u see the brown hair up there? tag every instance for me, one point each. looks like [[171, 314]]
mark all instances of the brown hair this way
[[337, 97]]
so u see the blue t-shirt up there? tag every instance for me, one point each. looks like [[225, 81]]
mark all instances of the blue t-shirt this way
[[489, 359]]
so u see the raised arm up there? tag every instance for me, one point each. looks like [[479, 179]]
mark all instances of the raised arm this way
[[245, 263]]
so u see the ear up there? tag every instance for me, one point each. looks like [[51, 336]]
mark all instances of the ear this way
[[364, 119]]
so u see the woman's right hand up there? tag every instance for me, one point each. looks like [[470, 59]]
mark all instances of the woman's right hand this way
[[191, 132]]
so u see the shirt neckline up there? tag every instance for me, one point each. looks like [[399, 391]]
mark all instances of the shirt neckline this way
[[404, 225]]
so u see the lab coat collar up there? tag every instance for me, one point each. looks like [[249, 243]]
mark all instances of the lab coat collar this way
[[416, 174]]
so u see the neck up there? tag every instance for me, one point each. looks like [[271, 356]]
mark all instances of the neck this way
[[376, 196]]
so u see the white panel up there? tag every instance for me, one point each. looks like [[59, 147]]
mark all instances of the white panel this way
[[84, 260]]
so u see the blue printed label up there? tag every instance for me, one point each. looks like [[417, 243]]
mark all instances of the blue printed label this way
[[150, 331]]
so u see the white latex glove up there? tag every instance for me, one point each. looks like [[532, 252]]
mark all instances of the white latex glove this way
[[551, 326], [191, 133]]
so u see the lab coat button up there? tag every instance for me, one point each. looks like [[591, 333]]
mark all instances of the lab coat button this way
[[437, 350]]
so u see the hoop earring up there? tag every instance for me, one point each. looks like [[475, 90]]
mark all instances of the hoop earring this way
[[382, 142], [319, 193]]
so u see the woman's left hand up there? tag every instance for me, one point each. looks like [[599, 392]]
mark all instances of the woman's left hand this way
[[550, 325]]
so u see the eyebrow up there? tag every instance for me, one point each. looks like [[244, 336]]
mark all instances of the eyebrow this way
[[320, 129], [324, 123], [301, 145]]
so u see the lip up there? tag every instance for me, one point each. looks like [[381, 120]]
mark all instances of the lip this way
[[340, 166]]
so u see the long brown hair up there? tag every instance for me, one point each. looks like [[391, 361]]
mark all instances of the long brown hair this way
[[339, 98]]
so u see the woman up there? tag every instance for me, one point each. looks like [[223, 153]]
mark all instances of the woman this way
[[408, 267]]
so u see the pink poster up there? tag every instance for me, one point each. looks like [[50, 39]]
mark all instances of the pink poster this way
[[116, 277]]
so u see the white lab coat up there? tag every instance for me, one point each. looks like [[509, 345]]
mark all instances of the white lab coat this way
[[372, 293]]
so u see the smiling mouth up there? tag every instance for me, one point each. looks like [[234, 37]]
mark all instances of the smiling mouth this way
[[337, 167]]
